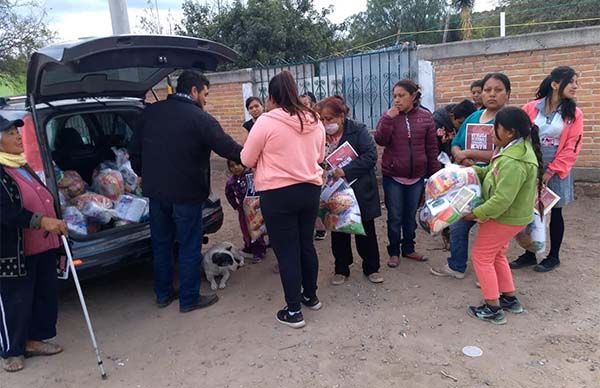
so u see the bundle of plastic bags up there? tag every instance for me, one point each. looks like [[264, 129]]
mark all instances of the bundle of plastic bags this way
[[339, 208], [71, 184], [450, 194], [109, 183], [130, 178], [130, 208], [75, 220], [102, 201], [251, 206]]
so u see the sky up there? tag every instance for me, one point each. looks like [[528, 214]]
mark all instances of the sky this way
[[72, 19]]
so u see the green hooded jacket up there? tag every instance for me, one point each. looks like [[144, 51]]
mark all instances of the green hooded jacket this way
[[509, 185]]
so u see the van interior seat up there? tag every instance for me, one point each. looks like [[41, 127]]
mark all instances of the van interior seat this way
[[71, 153]]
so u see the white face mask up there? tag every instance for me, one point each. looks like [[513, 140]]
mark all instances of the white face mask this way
[[332, 129]]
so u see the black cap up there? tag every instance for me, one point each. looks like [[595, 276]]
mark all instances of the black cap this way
[[6, 124]]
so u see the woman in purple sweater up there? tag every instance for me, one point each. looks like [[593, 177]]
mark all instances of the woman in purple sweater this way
[[408, 134]]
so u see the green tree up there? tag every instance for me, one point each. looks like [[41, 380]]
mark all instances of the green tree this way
[[23, 30], [264, 31], [387, 18], [465, 7]]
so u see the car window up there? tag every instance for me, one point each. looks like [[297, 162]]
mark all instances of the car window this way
[[114, 124], [79, 124]]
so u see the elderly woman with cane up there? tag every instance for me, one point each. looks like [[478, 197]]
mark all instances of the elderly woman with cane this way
[[29, 242]]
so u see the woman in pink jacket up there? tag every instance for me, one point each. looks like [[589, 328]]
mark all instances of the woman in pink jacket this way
[[286, 146], [555, 112]]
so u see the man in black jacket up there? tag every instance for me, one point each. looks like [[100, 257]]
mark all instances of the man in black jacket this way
[[171, 150]]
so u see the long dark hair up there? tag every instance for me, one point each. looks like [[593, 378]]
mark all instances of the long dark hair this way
[[517, 121], [284, 92], [564, 75], [412, 88]]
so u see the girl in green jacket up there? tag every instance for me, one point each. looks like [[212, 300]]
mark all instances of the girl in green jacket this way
[[509, 185]]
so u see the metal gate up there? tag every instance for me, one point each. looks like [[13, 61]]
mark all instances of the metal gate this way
[[364, 80]]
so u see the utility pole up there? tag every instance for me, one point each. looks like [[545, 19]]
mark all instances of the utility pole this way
[[119, 17]]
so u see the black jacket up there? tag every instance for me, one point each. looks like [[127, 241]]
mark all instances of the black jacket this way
[[362, 168], [171, 149], [13, 219]]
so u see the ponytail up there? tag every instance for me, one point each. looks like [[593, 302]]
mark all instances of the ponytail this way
[[537, 148]]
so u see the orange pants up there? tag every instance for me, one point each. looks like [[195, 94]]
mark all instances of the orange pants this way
[[489, 258]]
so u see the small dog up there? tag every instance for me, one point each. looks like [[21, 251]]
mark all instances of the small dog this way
[[220, 260]]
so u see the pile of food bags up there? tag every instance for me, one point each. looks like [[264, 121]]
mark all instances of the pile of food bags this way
[[450, 194], [251, 206], [339, 209], [114, 197]]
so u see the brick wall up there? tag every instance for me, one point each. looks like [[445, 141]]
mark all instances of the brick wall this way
[[526, 70], [225, 103]]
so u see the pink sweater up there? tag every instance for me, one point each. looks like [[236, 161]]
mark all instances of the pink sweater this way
[[283, 153], [570, 141]]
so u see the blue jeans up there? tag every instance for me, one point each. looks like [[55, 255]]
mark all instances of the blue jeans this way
[[181, 222], [401, 202], [459, 245]]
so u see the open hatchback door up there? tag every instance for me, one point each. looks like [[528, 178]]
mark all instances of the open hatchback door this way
[[117, 66]]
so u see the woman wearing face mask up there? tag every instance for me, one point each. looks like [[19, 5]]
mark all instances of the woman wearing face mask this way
[[255, 107], [496, 93], [555, 112], [340, 129], [409, 137]]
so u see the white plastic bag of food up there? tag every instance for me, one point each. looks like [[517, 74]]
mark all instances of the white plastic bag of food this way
[[75, 220], [131, 208], [339, 208], [109, 183], [96, 213], [533, 237], [252, 211]]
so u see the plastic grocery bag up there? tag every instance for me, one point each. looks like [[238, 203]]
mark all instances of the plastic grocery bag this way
[[130, 178], [251, 206], [72, 184], [339, 208], [96, 213], [75, 220], [131, 208], [109, 183], [450, 193], [80, 201], [533, 237]]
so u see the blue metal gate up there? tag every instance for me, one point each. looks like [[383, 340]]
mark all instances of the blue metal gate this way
[[364, 80]]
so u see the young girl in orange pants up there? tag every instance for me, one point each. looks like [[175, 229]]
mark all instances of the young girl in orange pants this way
[[509, 185]]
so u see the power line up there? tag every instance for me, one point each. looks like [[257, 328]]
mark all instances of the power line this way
[[553, 22]]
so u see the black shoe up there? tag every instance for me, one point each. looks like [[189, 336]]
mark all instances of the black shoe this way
[[312, 303], [203, 301], [525, 260], [295, 321], [320, 235], [511, 304], [547, 265], [161, 304], [486, 313]]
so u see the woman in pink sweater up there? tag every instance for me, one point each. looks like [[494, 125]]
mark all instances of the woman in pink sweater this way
[[286, 146]]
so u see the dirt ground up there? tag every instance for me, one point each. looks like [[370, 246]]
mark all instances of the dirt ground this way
[[407, 332]]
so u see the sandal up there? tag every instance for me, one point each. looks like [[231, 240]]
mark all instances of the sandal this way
[[13, 364], [416, 257], [40, 348], [393, 261]]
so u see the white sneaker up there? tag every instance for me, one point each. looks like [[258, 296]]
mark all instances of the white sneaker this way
[[446, 271]]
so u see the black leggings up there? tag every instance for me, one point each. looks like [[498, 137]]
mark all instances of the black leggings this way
[[290, 214], [557, 231]]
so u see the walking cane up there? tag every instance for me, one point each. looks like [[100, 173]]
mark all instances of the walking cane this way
[[83, 305]]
